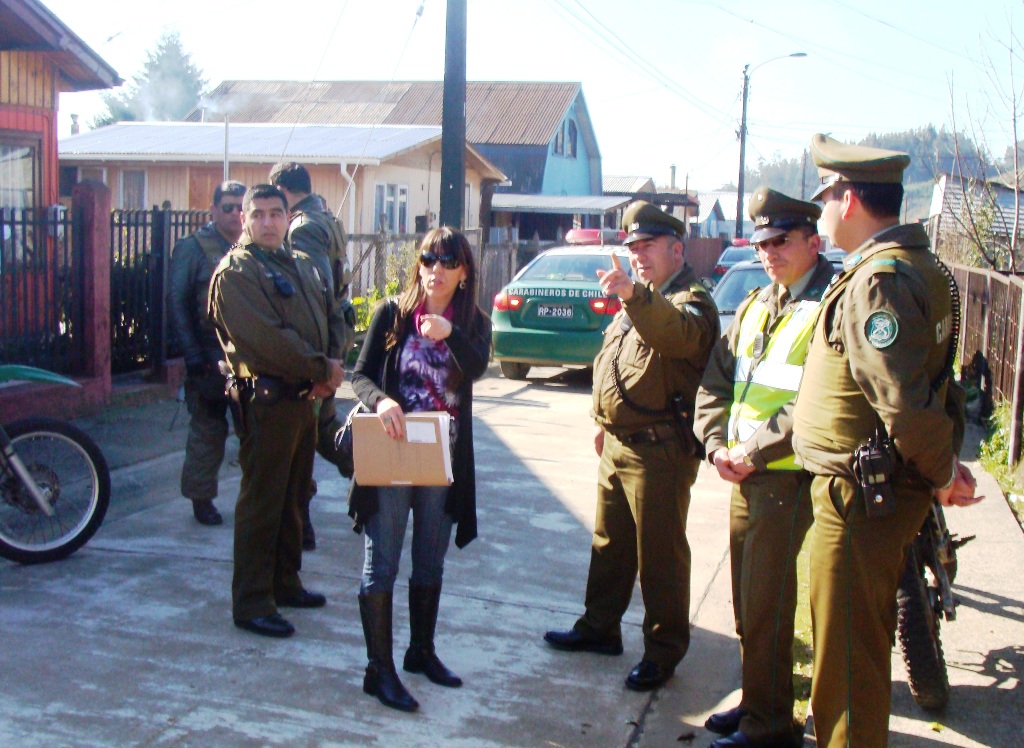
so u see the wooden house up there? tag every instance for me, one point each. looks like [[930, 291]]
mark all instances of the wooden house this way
[[538, 134], [374, 177], [39, 58]]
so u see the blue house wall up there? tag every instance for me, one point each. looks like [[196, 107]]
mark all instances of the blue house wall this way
[[568, 172]]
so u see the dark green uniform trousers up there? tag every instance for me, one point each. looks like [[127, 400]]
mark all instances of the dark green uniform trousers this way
[[276, 455], [643, 496], [856, 564], [204, 446], [769, 517]]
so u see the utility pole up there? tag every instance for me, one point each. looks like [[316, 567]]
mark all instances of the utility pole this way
[[747, 72], [743, 154], [453, 118], [803, 176]]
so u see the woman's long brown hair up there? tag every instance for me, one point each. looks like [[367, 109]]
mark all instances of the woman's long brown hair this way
[[441, 241]]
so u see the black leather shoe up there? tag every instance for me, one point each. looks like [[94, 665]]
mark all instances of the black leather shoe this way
[[302, 599], [573, 641], [647, 676], [727, 722], [206, 513], [273, 625], [740, 740]]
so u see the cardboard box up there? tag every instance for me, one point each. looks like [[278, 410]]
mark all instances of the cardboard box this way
[[422, 458]]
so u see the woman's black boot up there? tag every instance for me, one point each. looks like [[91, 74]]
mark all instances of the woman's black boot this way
[[421, 657], [381, 679]]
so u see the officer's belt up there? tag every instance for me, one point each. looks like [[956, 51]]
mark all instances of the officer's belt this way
[[656, 434], [268, 390]]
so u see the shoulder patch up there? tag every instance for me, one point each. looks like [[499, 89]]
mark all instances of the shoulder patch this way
[[881, 329]]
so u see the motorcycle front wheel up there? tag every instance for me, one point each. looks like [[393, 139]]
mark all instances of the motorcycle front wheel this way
[[71, 472], [918, 629]]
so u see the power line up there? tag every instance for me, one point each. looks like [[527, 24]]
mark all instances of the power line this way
[[900, 30], [633, 59]]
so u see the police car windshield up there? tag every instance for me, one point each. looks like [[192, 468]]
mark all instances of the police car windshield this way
[[736, 284], [570, 267]]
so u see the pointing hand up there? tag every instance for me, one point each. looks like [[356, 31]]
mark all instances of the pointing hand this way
[[616, 281]]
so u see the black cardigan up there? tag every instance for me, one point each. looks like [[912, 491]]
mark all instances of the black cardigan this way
[[471, 351]]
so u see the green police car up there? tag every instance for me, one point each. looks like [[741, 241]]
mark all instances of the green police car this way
[[553, 312]]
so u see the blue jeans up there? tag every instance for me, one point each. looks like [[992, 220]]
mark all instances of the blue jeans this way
[[385, 533]]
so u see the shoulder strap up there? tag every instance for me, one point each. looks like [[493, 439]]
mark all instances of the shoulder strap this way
[[211, 248]]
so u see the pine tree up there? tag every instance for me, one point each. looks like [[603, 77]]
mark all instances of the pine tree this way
[[168, 86]]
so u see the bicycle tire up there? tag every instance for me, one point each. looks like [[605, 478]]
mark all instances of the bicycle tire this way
[[918, 630], [72, 471]]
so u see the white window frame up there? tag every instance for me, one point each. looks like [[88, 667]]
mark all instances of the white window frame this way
[[145, 187], [396, 195]]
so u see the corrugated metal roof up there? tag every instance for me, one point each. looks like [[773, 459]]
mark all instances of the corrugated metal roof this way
[[727, 201], [611, 183], [497, 112], [196, 141], [29, 25], [562, 204], [948, 199], [709, 204]]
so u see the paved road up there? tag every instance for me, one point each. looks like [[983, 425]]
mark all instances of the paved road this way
[[130, 642]]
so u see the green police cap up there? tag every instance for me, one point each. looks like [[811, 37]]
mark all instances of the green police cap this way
[[775, 213], [842, 162], [645, 221]]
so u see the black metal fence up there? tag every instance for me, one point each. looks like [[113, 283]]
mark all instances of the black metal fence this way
[[41, 276], [140, 250]]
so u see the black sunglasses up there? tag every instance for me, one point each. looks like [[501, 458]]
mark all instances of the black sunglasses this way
[[775, 242], [448, 262], [230, 207]]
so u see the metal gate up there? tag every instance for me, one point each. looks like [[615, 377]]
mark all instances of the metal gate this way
[[41, 274], [140, 250]]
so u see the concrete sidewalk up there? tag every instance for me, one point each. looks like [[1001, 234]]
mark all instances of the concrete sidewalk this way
[[130, 641]]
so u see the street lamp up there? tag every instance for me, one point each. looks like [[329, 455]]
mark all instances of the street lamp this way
[[747, 72]]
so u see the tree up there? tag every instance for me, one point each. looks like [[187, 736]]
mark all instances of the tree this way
[[988, 219], [168, 86]]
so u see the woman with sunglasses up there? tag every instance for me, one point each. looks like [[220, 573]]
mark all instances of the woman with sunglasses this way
[[422, 352]]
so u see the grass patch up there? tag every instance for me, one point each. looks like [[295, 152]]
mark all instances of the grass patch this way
[[993, 454]]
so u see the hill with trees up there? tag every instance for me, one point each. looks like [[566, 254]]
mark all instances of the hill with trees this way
[[932, 152]]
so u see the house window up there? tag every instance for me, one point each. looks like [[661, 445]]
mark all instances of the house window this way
[[391, 208], [559, 148], [68, 179], [98, 174], [133, 189], [20, 169], [570, 139]]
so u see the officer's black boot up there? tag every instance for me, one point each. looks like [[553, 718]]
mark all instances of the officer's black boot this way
[[308, 535], [381, 679], [421, 657]]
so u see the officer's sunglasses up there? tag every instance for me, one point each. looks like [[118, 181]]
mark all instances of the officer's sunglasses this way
[[448, 262], [227, 208], [774, 243]]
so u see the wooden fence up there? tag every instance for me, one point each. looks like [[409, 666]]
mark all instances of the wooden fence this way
[[991, 342]]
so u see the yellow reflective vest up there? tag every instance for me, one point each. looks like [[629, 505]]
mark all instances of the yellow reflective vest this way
[[768, 369]]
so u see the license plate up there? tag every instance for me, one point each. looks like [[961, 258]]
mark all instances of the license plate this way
[[563, 311]]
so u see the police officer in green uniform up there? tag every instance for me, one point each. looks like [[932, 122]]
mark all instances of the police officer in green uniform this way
[[271, 311], [645, 379], [313, 230], [874, 371], [744, 417], [192, 264]]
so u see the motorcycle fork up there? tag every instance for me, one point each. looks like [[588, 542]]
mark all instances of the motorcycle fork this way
[[22, 473]]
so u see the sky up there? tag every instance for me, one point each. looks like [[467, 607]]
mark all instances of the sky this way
[[662, 79]]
